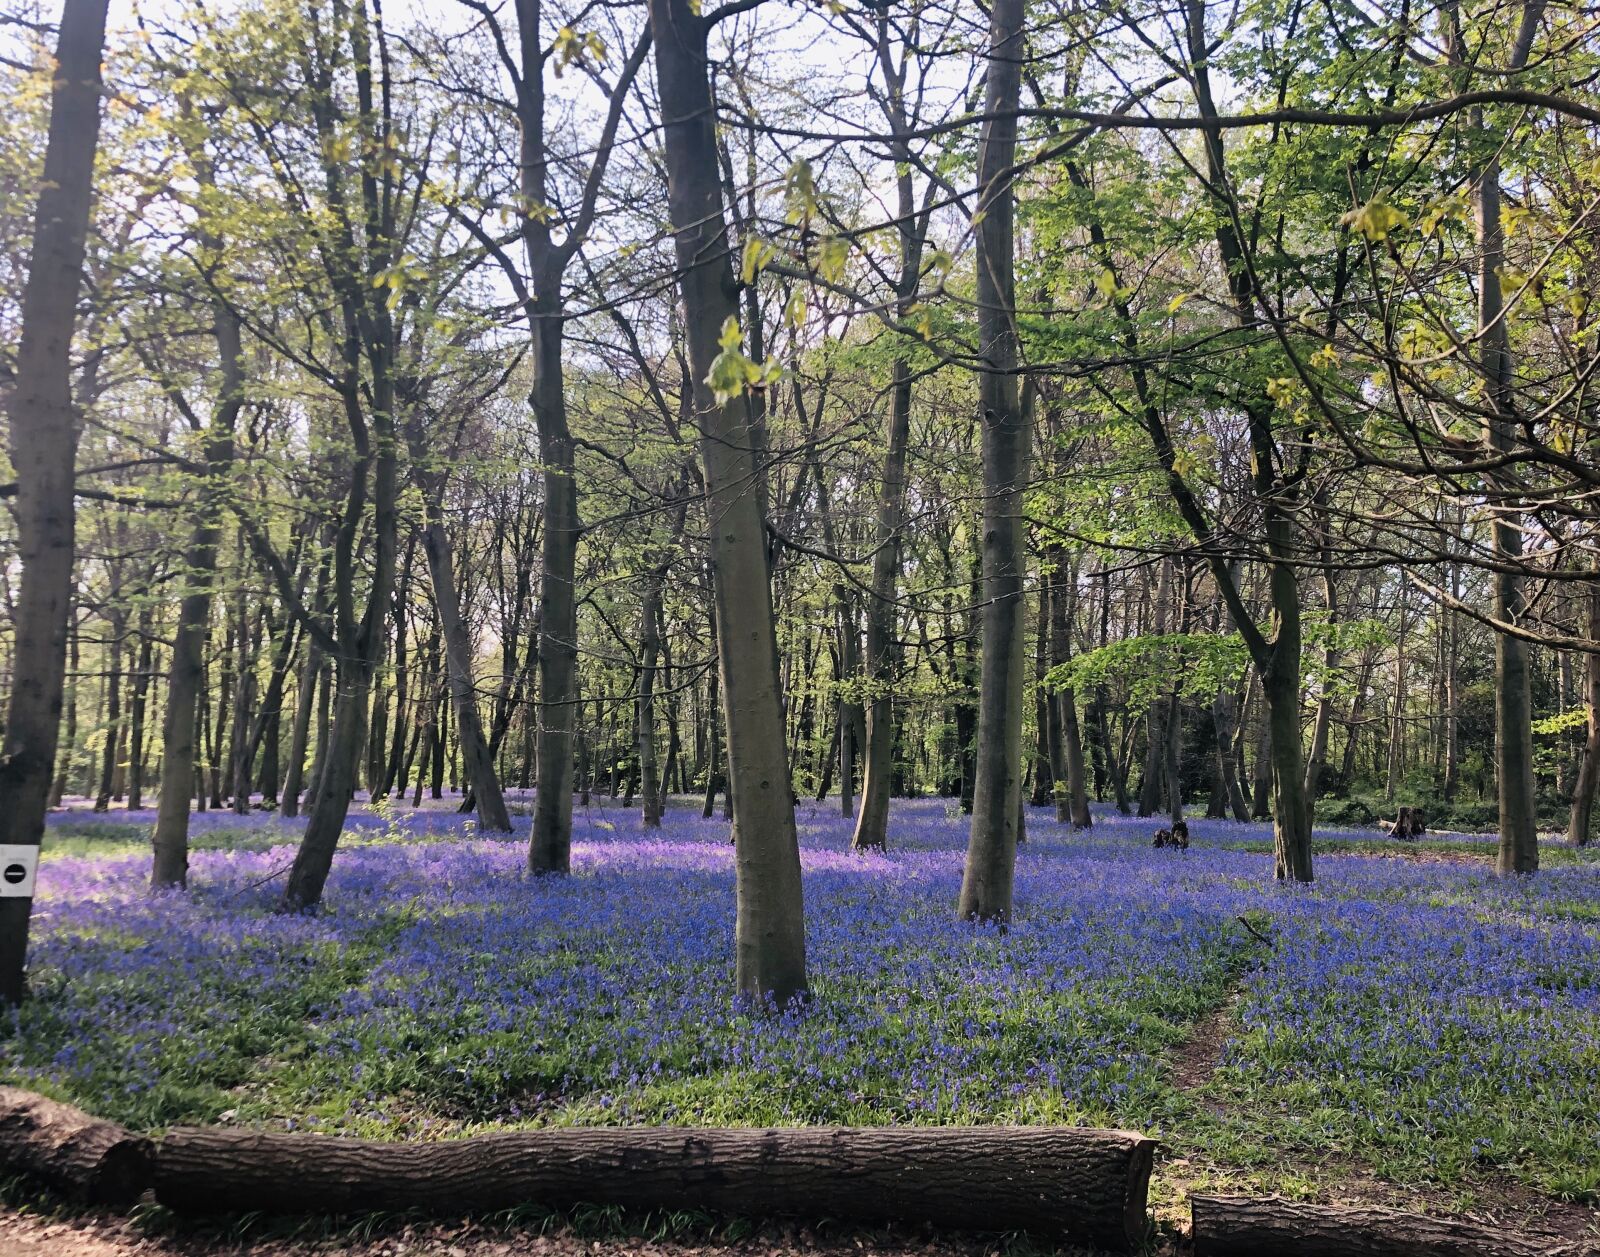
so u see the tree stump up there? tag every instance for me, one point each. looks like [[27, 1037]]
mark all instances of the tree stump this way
[[85, 1158], [1086, 1187], [1409, 823]]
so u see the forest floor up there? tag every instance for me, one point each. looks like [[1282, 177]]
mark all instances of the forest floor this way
[[1409, 1030]]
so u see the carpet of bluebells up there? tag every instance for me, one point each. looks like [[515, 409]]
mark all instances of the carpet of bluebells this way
[[1417, 1014]]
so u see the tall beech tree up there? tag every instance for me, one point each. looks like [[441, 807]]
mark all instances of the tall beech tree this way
[[553, 225], [43, 441], [769, 941], [186, 673], [986, 883]]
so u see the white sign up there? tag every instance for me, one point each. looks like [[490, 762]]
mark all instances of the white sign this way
[[18, 864]]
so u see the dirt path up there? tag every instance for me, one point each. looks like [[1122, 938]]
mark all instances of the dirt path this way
[[24, 1234]]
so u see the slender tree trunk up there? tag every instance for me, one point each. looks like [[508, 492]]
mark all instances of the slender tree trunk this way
[[872, 824], [1223, 709], [650, 651], [1583, 791], [1452, 696], [43, 444], [69, 735], [1322, 722], [1397, 722], [712, 753], [1047, 751], [1174, 756], [986, 884], [1513, 706], [1513, 703], [550, 848], [1280, 685], [320, 733], [1072, 804], [335, 785], [108, 758], [242, 752], [141, 692], [770, 925], [478, 762], [179, 735], [849, 715], [1155, 747], [300, 733]]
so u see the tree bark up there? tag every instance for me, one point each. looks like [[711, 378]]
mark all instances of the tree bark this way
[[336, 783], [1513, 704], [650, 651], [117, 624], [69, 738], [550, 847], [770, 930], [1073, 804], [986, 883], [1583, 791], [478, 762], [136, 717], [44, 430], [186, 675], [1079, 1186], [300, 732], [1243, 1226], [90, 1160], [872, 821]]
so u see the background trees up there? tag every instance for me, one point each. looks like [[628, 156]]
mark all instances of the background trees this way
[[1246, 466]]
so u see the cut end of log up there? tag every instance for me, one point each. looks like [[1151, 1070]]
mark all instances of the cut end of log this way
[[1141, 1161], [66, 1149]]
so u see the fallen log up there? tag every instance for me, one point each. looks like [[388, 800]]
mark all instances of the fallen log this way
[[88, 1159], [1269, 1226], [1085, 1186]]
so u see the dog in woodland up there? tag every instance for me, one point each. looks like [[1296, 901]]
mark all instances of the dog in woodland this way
[[1177, 836]]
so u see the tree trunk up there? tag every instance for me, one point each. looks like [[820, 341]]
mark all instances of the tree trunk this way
[[300, 732], [136, 718], [479, 764], [108, 759], [986, 882], [241, 753], [186, 675], [550, 847], [1513, 706], [69, 735], [712, 752], [1049, 772], [90, 1160], [43, 444], [1174, 757], [877, 761], [1223, 708], [650, 784], [1583, 791], [1452, 697], [336, 782], [1245, 1226], [1261, 779], [1081, 1187], [1073, 804], [1150, 785], [1291, 826], [770, 929]]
